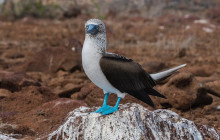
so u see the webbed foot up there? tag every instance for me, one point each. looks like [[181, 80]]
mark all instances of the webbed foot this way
[[110, 111], [102, 109]]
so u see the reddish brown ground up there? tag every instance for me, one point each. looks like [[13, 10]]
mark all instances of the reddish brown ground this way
[[38, 47]]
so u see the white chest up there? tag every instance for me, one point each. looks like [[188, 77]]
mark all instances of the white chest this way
[[91, 66], [90, 62]]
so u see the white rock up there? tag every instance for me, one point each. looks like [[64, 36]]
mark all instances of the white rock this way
[[208, 30], [6, 137], [188, 27], [73, 49], [212, 26], [201, 21], [133, 122], [161, 27]]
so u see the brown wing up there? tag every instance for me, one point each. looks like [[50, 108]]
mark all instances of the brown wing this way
[[128, 76]]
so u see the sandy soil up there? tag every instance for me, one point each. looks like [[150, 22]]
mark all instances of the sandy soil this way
[[41, 79]]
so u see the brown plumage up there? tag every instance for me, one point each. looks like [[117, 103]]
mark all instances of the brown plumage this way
[[128, 77]]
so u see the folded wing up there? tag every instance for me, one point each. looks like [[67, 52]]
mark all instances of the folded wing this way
[[128, 77]]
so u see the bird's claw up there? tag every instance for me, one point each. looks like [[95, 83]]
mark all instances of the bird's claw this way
[[102, 109], [109, 111]]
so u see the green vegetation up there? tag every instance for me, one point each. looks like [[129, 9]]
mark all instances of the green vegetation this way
[[33, 8]]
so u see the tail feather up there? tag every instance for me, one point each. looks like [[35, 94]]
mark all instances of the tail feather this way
[[143, 96], [163, 75], [149, 101], [153, 92]]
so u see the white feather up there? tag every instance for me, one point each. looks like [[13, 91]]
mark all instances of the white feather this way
[[164, 74], [91, 56]]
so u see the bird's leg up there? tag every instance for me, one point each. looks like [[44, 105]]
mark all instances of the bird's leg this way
[[104, 106], [113, 109]]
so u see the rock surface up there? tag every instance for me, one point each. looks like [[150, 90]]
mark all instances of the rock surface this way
[[213, 87], [4, 93], [13, 81], [186, 92], [132, 121], [54, 59], [5, 137]]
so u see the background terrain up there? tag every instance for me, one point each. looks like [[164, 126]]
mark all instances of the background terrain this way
[[41, 78]]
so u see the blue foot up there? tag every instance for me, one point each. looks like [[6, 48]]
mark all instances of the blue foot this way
[[103, 108], [109, 111]]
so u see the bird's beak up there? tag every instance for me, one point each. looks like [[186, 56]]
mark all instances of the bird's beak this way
[[92, 29]]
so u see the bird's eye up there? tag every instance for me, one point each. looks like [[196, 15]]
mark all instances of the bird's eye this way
[[97, 27], [87, 27]]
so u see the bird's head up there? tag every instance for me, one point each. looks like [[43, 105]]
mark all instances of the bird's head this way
[[95, 35], [95, 27]]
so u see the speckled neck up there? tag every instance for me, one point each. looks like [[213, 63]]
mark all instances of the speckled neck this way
[[98, 43]]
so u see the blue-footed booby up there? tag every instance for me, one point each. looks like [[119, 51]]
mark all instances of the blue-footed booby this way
[[115, 73]]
